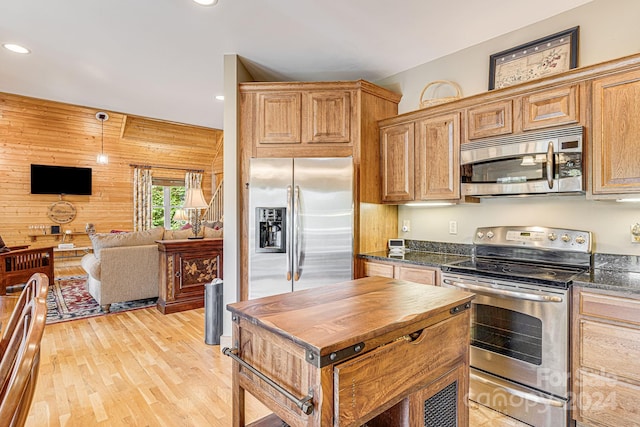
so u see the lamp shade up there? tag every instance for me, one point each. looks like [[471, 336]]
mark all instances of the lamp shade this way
[[180, 215], [194, 199]]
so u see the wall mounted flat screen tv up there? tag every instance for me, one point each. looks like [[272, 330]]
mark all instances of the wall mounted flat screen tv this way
[[47, 179]]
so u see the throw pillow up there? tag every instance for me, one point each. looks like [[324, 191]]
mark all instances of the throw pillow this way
[[217, 225], [136, 238], [212, 232]]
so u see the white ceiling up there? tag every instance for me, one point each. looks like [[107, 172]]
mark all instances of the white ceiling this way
[[164, 58]]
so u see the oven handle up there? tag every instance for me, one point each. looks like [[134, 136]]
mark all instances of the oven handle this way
[[502, 292], [520, 393]]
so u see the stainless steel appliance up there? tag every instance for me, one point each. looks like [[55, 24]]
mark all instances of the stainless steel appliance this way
[[533, 163], [300, 223], [520, 330]]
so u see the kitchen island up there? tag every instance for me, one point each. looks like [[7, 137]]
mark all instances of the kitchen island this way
[[374, 350]]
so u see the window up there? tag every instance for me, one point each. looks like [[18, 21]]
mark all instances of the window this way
[[166, 199]]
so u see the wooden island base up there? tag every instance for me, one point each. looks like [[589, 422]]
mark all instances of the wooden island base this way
[[375, 350]]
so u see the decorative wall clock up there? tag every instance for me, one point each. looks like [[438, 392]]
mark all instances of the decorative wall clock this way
[[61, 212]]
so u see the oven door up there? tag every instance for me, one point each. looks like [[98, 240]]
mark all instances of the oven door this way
[[519, 331]]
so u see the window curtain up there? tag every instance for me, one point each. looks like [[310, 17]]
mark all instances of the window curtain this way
[[192, 180], [142, 201]]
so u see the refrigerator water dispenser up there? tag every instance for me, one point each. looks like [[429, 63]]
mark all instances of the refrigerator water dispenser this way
[[271, 229]]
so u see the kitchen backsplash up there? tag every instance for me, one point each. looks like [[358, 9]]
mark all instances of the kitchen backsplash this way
[[601, 261], [439, 247]]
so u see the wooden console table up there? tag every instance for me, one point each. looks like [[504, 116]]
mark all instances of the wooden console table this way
[[185, 266], [375, 350]]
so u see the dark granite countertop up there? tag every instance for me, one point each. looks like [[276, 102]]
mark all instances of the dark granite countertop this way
[[427, 259], [620, 273], [627, 282]]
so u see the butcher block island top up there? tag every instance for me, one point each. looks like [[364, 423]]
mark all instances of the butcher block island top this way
[[364, 351]]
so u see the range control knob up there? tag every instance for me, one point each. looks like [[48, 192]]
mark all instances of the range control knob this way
[[580, 240], [552, 236], [480, 234], [565, 238], [490, 234]]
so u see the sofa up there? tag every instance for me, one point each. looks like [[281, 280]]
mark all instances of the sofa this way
[[126, 266]]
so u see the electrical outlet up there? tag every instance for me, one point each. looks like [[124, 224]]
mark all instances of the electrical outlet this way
[[453, 227], [635, 233], [406, 225]]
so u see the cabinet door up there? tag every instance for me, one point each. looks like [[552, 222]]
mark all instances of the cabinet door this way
[[326, 117], [194, 270], [425, 275], [377, 269], [606, 358], [279, 118], [397, 162], [490, 120], [616, 134], [438, 158], [551, 108]]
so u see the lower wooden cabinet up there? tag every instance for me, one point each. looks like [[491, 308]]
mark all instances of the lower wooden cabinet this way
[[185, 267], [418, 274], [606, 358]]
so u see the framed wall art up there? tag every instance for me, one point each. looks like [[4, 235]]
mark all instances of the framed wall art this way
[[543, 57]]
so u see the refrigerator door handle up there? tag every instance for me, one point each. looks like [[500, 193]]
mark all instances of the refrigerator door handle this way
[[296, 236], [288, 235]]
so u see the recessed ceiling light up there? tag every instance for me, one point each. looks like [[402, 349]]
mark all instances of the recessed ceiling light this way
[[16, 48], [206, 2], [220, 97]]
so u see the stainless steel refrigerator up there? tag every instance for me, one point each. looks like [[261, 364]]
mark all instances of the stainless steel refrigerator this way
[[300, 224]]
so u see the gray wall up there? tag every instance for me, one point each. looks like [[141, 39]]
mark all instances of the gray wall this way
[[608, 29]]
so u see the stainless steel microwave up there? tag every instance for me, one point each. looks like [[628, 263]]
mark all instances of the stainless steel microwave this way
[[530, 163]]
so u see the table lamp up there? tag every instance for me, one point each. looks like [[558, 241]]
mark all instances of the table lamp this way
[[194, 200]]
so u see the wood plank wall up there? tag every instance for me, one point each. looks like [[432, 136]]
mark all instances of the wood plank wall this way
[[52, 133]]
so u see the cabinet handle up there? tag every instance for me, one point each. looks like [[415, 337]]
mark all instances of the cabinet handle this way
[[178, 274], [550, 166]]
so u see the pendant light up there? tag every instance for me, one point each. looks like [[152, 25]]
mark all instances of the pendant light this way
[[102, 158]]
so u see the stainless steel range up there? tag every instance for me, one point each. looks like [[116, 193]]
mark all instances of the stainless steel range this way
[[520, 321]]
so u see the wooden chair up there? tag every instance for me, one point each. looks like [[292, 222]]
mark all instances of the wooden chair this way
[[20, 363], [16, 267], [36, 287]]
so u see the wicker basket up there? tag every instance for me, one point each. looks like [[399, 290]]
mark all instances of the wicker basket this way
[[437, 101]]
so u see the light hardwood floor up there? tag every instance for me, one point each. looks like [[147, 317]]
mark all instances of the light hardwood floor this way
[[142, 368], [138, 368]]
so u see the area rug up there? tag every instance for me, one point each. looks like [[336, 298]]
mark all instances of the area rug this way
[[68, 299]]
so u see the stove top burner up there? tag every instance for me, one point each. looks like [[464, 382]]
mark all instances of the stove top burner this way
[[546, 275]]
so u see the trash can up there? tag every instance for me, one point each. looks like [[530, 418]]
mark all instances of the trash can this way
[[213, 312]]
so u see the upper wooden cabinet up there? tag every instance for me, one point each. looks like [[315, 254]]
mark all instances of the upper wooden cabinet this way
[[491, 119], [536, 110], [603, 98], [326, 117], [437, 146], [421, 159], [552, 107], [279, 118], [397, 146], [304, 117], [616, 134]]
